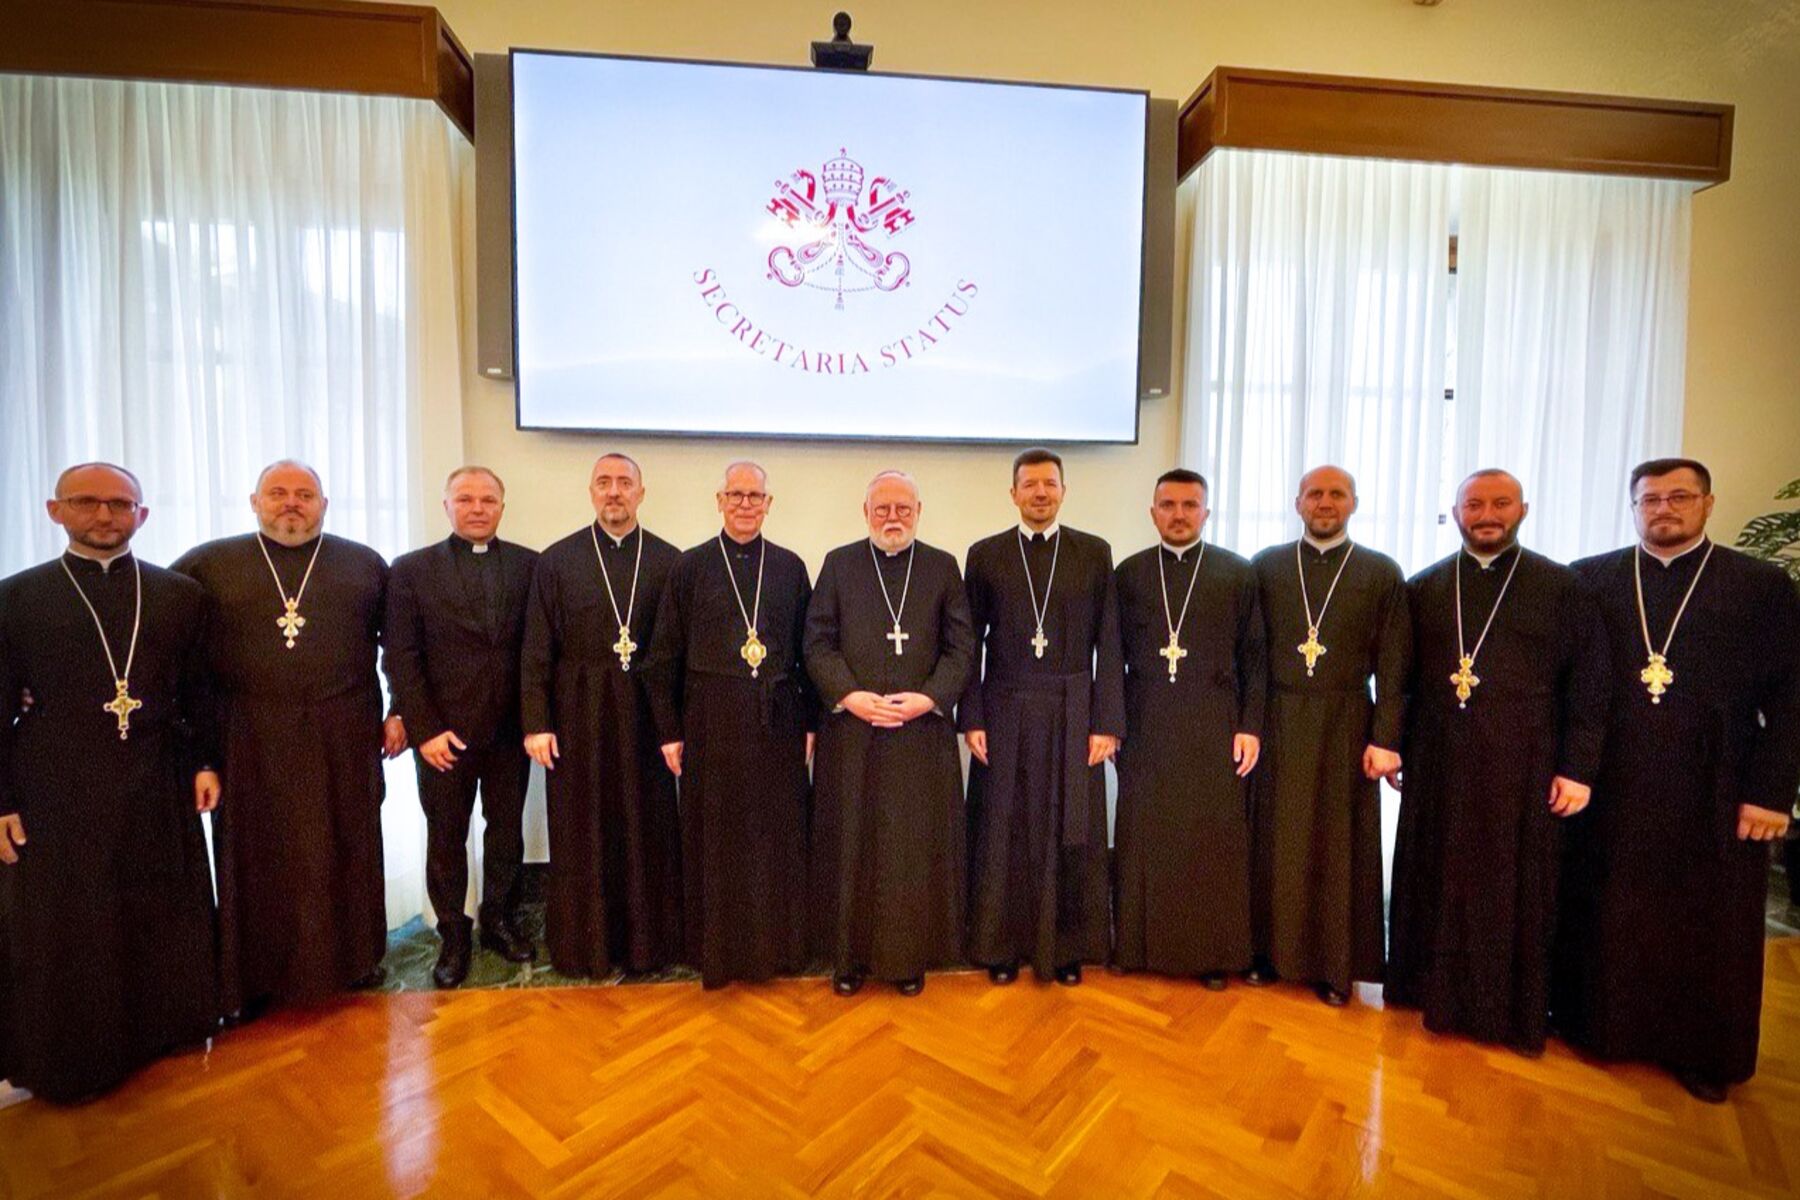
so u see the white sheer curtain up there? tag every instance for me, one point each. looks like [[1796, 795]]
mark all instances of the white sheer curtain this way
[[1572, 339], [1324, 324], [1317, 323], [197, 280]]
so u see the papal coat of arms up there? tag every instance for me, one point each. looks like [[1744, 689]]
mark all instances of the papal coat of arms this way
[[840, 218]]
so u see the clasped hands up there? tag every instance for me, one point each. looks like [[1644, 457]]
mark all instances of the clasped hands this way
[[890, 711]]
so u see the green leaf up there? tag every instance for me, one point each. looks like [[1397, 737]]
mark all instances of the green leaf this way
[[1790, 492]]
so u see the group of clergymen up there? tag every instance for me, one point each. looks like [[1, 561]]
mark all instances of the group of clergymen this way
[[1592, 757]]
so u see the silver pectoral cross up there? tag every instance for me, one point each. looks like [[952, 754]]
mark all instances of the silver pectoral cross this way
[[1039, 642], [897, 637]]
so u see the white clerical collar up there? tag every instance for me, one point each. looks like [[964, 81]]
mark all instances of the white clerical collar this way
[[1181, 552], [1669, 559], [620, 540], [480, 547], [891, 553], [1488, 560], [1049, 531], [105, 560], [1329, 544]]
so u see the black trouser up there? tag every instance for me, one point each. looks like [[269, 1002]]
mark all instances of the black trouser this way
[[448, 797]]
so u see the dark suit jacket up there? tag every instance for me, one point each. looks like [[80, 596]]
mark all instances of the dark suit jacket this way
[[448, 668]]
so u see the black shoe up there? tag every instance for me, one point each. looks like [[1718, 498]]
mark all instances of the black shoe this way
[[1213, 981], [1003, 973], [453, 957], [1259, 976], [1070, 975], [1703, 1089], [1331, 995], [371, 981], [911, 987], [846, 983], [505, 940]]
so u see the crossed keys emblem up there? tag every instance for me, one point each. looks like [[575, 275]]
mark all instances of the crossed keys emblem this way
[[842, 218]]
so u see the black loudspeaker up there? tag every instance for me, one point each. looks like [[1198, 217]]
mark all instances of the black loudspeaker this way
[[1156, 333], [493, 216]]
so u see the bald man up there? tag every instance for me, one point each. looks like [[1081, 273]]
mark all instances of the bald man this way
[[889, 645], [1506, 713], [1337, 621], [106, 955], [736, 713], [294, 633], [614, 893]]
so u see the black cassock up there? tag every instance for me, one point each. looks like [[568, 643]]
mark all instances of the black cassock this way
[[297, 835], [106, 921], [1182, 894], [1477, 854], [1039, 887], [1317, 818], [614, 892], [743, 772], [1661, 954], [887, 834]]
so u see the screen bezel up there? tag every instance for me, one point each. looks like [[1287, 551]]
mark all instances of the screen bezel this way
[[512, 184]]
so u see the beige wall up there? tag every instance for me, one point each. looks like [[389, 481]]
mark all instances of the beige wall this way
[[1744, 347]]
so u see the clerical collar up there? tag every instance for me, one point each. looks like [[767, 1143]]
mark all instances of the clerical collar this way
[[470, 546], [1049, 531], [1488, 560], [619, 541], [1668, 560], [891, 553], [732, 543], [103, 561], [1181, 552], [1329, 544]]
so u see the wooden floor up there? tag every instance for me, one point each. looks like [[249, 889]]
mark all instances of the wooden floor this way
[[1125, 1086]]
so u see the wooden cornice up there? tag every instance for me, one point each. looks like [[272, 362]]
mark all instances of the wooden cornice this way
[[315, 45], [1442, 122]]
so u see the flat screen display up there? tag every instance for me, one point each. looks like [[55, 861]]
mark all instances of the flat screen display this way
[[705, 248]]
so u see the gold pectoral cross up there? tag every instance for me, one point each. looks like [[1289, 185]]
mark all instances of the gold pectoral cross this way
[[291, 622], [1658, 676], [122, 706], [897, 637], [753, 652], [624, 648], [1174, 653], [1039, 641], [1311, 648], [1465, 680]]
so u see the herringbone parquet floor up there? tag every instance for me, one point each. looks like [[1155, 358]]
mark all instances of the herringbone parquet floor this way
[[1125, 1086]]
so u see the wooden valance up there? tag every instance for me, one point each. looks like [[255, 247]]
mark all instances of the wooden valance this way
[[315, 45], [1443, 122]]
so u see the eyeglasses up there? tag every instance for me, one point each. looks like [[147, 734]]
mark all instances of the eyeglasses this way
[[900, 512], [87, 506], [745, 499], [1675, 501]]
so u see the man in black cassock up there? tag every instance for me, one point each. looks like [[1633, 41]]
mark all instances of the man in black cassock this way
[[1661, 948], [614, 893], [294, 628], [106, 934], [736, 713], [889, 647], [1505, 717], [1195, 669], [455, 619], [1337, 618], [1042, 716]]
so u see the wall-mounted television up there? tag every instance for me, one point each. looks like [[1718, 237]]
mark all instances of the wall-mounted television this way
[[718, 249]]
